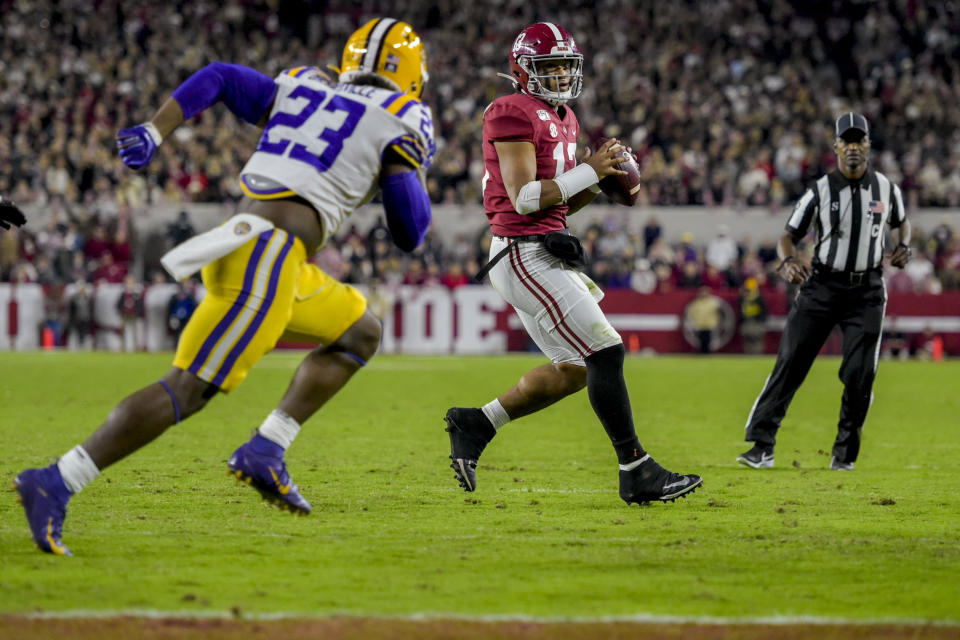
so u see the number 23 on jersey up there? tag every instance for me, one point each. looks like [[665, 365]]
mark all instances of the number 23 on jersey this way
[[319, 156]]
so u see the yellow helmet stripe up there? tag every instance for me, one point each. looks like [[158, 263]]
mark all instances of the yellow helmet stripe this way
[[378, 36]]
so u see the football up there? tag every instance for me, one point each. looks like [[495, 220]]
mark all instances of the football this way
[[623, 189]]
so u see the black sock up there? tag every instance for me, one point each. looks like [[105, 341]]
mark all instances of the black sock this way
[[608, 395]]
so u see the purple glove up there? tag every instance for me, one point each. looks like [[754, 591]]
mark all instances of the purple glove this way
[[137, 145]]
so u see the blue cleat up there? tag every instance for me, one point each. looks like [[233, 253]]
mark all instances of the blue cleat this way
[[44, 498], [259, 463]]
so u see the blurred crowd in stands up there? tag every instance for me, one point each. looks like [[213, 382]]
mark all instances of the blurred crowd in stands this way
[[624, 258], [630, 258], [728, 103]]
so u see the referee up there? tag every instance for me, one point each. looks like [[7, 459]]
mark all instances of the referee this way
[[848, 209]]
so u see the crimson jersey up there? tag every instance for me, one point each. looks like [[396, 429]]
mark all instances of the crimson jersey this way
[[522, 118]]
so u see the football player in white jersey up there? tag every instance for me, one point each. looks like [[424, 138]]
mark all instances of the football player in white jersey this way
[[326, 148]]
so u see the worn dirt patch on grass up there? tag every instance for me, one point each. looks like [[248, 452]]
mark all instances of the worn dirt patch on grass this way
[[27, 628]]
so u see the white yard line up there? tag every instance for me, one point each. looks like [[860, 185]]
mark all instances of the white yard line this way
[[644, 618]]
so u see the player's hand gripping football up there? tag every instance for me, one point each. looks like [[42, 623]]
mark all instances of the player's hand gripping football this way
[[606, 160], [137, 145], [900, 255], [10, 214], [794, 271]]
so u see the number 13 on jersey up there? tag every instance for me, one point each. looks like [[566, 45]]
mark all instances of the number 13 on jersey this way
[[559, 156]]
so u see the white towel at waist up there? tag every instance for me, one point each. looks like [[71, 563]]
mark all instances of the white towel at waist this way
[[188, 257]]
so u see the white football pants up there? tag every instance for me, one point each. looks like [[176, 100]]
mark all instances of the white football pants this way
[[557, 304]]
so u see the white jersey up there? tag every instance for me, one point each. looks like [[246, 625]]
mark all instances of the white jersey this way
[[325, 143]]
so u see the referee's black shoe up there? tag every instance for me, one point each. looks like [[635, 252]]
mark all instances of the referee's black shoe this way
[[759, 457], [470, 431], [649, 481], [837, 464]]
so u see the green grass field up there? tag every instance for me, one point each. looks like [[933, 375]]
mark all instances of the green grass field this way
[[545, 535]]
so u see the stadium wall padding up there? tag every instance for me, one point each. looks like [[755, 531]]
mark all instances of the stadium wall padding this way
[[475, 320]]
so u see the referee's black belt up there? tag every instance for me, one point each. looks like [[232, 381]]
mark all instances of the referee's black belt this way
[[853, 278]]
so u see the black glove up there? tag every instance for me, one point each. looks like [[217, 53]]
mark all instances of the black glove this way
[[10, 214]]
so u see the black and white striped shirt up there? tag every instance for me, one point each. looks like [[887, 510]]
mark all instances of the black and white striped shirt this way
[[849, 217]]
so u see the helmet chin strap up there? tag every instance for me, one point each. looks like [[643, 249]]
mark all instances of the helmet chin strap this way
[[555, 101], [510, 78]]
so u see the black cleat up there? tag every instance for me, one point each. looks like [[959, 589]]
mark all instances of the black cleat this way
[[759, 457], [470, 431], [649, 481]]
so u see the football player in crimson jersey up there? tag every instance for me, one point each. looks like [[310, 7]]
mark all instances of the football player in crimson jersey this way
[[532, 182]]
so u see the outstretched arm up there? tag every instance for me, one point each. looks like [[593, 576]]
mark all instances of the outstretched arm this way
[[246, 92]]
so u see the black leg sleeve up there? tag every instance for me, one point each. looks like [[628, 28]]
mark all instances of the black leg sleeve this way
[[608, 396]]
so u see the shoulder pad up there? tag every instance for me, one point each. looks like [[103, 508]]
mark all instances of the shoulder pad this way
[[307, 73], [505, 106], [399, 103], [504, 121]]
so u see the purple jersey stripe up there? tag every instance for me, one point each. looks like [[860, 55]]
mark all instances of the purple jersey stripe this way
[[237, 306], [260, 315], [389, 101], [409, 144]]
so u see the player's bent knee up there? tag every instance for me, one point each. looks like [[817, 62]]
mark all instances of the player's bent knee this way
[[574, 377], [188, 393], [362, 339]]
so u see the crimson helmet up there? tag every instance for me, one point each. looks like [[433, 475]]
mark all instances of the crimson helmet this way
[[537, 45]]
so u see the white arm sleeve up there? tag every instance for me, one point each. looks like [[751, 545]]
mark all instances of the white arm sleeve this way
[[528, 200], [570, 183], [576, 180]]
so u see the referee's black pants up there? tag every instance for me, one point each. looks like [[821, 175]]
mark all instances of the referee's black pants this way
[[826, 301]]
